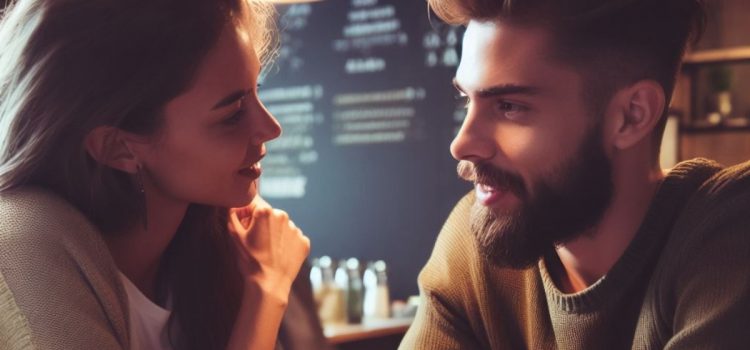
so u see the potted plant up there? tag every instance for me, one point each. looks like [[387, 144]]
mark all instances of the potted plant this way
[[720, 84]]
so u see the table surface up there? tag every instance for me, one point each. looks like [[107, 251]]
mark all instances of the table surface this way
[[342, 333]]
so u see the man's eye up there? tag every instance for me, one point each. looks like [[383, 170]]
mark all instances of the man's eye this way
[[463, 100], [511, 110], [509, 107]]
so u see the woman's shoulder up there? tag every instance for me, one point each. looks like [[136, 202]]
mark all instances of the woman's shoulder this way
[[35, 215], [40, 227], [59, 273], [33, 200]]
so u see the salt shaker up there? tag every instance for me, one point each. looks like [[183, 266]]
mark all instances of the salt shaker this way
[[377, 296]]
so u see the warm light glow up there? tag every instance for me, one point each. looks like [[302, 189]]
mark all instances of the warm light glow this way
[[288, 1]]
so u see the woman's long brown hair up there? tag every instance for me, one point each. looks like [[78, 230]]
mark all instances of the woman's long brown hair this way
[[68, 66]]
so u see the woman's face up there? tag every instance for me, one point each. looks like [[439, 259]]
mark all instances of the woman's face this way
[[213, 137]]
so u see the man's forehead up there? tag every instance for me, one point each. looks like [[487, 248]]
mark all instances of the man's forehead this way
[[492, 47], [509, 33]]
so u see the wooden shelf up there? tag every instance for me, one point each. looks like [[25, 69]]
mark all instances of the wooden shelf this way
[[734, 54], [692, 129]]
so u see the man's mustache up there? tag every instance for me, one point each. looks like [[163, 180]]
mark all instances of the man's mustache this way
[[486, 174]]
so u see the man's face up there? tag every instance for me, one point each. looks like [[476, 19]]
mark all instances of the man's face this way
[[529, 142]]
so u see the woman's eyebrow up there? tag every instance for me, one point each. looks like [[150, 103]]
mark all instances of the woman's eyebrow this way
[[230, 99]]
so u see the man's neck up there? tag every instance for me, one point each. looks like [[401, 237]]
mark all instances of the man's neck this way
[[590, 256]]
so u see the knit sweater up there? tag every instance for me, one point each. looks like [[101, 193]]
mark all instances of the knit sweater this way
[[682, 283], [60, 289]]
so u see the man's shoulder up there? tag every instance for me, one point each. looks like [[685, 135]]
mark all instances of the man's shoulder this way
[[722, 198], [730, 182], [701, 286], [713, 230], [711, 193]]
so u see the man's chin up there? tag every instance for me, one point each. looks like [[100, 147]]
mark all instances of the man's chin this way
[[503, 239], [518, 258]]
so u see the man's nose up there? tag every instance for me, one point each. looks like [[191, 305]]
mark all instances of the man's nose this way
[[474, 140]]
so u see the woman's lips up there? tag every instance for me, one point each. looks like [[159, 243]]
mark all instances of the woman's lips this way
[[488, 195], [253, 171]]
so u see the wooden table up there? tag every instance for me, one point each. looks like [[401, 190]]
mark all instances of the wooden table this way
[[371, 334]]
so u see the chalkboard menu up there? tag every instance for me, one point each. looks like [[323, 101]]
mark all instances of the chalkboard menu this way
[[362, 89]]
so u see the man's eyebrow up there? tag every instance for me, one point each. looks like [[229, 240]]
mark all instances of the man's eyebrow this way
[[230, 99], [499, 90]]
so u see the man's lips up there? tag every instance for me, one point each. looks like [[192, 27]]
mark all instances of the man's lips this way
[[488, 195]]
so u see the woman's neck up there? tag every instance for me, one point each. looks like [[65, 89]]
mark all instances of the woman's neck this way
[[138, 250]]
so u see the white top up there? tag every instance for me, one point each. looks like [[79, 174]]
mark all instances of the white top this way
[[148, 321]]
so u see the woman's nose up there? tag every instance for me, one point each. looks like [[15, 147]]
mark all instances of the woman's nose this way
[[267, 127]]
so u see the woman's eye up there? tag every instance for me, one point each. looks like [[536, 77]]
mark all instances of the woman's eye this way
[[234, 118]]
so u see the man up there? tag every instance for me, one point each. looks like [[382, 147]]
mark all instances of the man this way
[[574, 238]]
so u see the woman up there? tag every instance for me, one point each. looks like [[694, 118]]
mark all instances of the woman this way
[[127, 130]]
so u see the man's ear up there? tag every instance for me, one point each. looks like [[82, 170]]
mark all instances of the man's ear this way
[[112, 147], [637, 110]]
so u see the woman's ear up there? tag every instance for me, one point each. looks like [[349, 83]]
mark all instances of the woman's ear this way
[[639, 108], [112, 147]]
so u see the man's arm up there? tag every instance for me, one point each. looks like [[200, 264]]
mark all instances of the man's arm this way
[[437, 327]]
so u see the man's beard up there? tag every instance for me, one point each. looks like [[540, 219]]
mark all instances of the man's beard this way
[[556, 214]]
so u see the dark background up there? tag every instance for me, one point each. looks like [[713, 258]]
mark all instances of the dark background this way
[[376, 200]]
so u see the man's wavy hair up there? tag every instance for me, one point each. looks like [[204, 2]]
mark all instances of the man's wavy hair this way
[[611, 43]]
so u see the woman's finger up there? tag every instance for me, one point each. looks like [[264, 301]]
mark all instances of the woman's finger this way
[[236, 223], [261, 229]]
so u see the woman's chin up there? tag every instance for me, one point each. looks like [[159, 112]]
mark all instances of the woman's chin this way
[[243, 198], [241, 201]]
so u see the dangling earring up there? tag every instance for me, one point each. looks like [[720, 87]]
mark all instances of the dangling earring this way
[[142, 194]]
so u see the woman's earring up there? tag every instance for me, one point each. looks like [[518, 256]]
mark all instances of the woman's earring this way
[[142, 194]]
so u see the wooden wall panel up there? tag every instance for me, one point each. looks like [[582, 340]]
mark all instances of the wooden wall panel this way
[[726, 147]]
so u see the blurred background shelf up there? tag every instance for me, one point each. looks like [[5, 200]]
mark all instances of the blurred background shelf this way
[[725, 55], [706, 124]]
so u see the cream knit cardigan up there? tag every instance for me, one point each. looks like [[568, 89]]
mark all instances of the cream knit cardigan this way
[[58, 283]]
